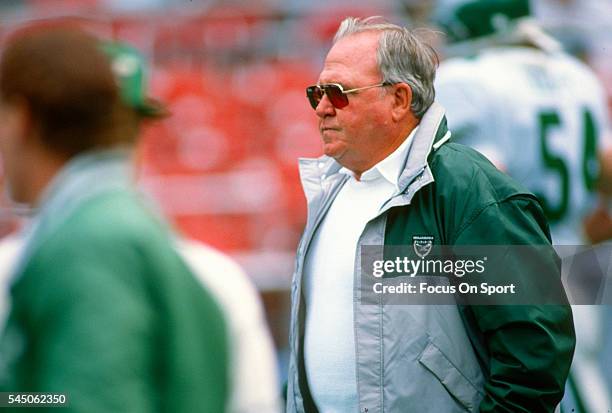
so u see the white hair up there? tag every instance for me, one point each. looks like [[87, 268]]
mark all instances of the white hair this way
[[402, 58]]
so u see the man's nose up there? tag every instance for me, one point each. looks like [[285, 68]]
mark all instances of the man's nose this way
[[325, 107]]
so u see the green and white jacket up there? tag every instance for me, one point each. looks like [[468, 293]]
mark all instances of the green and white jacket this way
[[444, 358], [104, 310]]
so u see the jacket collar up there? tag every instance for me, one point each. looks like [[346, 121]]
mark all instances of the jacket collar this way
[[83, 176], [431, 134]]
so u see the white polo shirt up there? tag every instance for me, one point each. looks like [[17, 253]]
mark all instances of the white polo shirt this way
[[329, 343]]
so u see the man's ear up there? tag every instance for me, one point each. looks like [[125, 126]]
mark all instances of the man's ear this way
[[402, 99]]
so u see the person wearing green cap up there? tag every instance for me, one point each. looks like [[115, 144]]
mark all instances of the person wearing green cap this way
[[103, 309], [253, 373]]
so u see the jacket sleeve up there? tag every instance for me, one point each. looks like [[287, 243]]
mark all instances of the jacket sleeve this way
[[527, 349]]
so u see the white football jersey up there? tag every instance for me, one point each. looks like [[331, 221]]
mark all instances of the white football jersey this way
[[539, 117]]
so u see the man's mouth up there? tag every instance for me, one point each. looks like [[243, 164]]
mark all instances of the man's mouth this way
[[326, 128]]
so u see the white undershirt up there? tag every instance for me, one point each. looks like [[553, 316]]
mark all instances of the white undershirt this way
[[329, 343]]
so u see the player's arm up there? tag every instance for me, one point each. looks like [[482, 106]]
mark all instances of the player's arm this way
[[528, 348]]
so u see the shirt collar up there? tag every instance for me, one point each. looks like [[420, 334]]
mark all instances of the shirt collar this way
[[389, 168]]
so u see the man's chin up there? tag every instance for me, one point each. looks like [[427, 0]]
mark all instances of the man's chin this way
[[334, 151]]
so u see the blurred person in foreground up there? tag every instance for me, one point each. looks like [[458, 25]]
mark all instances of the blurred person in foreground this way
[[390, 176], [540, 115], [253, 374], [102, 307]]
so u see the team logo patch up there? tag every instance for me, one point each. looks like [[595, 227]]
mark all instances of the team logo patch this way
[[422, 244]]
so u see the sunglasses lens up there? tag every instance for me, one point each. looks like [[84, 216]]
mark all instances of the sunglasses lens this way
[[314, 94], [336, 97], [333, 92]]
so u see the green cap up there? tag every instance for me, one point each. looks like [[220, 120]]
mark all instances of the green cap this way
[[129, 66], [478, 18]]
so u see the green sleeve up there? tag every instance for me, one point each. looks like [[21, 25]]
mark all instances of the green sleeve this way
[[527, 349]]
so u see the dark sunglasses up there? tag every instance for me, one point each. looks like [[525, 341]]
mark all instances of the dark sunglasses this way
[[335, 93]]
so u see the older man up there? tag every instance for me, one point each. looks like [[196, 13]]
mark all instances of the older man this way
[[103, 309], [389, 176]]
